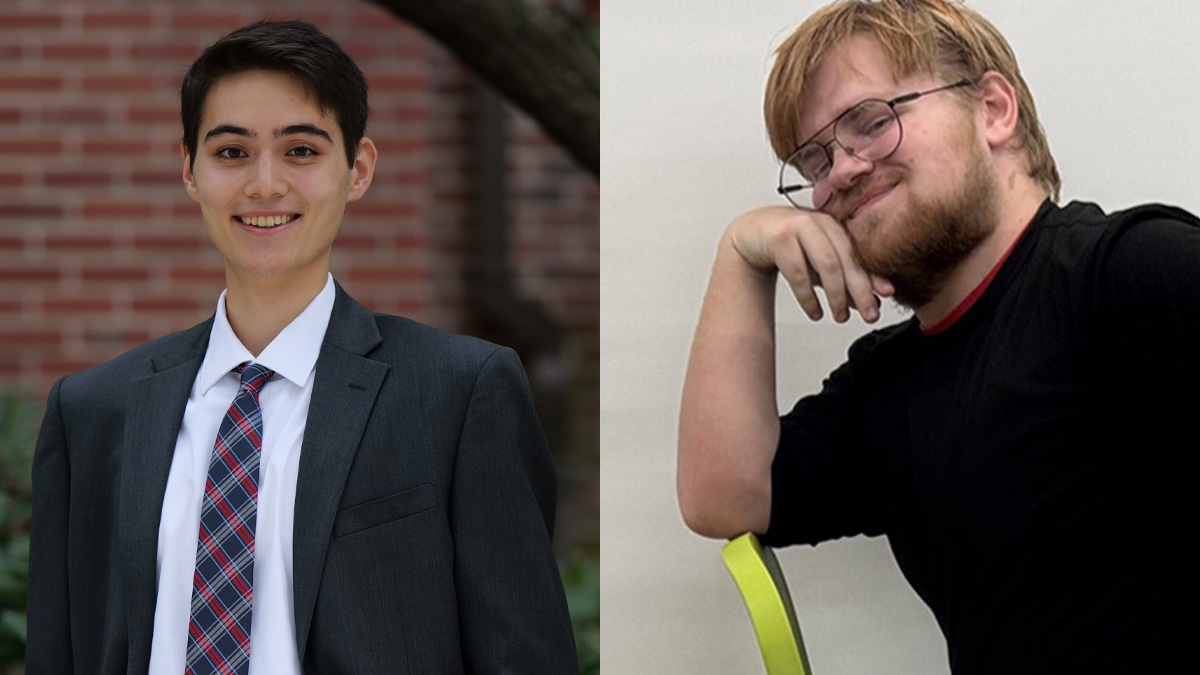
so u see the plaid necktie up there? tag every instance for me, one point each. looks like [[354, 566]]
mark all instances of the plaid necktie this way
[[222, 586]]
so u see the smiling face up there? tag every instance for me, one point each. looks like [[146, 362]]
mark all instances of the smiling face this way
[[271, 178], [916, 214]]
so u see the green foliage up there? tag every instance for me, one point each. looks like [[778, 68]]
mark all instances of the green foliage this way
[[18, 432], [581, 579]]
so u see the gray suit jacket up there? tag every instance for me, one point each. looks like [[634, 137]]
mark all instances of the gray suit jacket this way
[[424, 508]]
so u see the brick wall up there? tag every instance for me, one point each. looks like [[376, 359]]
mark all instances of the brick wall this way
[[101, 249]]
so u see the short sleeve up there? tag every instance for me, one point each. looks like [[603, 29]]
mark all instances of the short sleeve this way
[[1148, 306], [826, 480]]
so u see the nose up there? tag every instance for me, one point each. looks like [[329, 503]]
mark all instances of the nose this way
[[266, 178], [846, 167]]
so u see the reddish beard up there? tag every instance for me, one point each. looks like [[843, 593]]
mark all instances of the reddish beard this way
[[928, 240]]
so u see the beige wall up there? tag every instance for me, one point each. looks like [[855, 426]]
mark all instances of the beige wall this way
[[683, 151]]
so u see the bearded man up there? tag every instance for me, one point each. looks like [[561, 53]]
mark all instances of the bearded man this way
[[1016, 439]]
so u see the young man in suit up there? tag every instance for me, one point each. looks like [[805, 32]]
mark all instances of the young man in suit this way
[[379, 496]]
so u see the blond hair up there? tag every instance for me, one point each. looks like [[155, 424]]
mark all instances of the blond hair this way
[[937, 37]]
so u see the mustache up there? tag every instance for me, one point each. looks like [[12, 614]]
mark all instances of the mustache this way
[[856, 193]]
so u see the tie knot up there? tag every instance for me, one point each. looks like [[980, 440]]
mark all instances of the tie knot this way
[[254, 376]]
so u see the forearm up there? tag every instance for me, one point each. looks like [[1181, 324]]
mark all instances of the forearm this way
[[729, 422]]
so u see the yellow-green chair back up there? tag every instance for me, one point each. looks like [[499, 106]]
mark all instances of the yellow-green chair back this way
[[765, 592]]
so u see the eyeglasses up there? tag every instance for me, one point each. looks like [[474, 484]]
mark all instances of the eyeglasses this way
[[870, 131]]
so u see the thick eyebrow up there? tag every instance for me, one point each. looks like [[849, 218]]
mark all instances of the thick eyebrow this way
[[306, 129]]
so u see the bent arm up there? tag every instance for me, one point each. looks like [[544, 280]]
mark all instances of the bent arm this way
[[48, 644], [513, 613], [728, 420], [728, 423]]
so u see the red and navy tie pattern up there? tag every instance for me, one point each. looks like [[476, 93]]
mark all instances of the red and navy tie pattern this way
[[222, 586]]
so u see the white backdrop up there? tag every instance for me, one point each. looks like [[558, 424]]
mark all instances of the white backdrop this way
[[683, 151]]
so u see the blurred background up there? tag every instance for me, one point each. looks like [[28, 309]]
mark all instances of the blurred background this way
[[685, 151], [477, 222]]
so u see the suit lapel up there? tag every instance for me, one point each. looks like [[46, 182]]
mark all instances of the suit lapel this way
[[344, 391], [154, 412]]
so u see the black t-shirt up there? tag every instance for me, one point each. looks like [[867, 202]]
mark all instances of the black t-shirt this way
[[1035, 464]]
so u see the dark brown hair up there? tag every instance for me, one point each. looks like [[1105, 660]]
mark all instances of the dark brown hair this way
[[294, 48]]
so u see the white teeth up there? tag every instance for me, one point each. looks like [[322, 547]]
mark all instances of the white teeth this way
[[268, 221]]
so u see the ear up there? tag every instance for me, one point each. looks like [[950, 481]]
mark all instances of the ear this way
[[189, 181], [363, 170], [999, 111]]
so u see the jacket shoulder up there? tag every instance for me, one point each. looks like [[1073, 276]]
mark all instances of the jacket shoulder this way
[[140, 361], [408, 341]]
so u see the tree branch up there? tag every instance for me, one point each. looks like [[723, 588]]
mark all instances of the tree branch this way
[[530, 55]]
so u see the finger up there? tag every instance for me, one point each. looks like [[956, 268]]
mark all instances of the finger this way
[[822, 254], [858, 282], [794, 268], [882, 286]]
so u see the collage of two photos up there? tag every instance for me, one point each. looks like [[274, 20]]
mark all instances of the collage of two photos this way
[[322, 349]]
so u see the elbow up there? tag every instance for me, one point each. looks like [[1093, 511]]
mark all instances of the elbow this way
[[721, 508]]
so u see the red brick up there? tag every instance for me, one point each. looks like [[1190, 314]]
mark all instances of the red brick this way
[[11, 180], [188, 20], [345, 241], [76, 51], [118, 83], [29, 274], [116, 336], [9, 243], [72, 305], [59, 367], [10, 53], [141, 114], [363, 210], [412, 114], [17, 21], [116, 210], [10, 306], [379, 274], [180, 51], [41, 147], [400, 146], [76, 179], [198, 274], [405, 241], [8, 115], [117, 20], [387, 82], [29, 337], [30, 211], [87, 243], [157, 177], [116, 147], [116, 274], [166, 305], [168, 243], [30, 83], [188, 210], [412, 178], [74, 115]]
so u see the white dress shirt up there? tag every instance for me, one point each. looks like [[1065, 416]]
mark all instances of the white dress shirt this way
[[284, 401]]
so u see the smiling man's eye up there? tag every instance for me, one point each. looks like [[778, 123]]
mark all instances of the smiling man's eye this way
[[302, 151], [230, 153]]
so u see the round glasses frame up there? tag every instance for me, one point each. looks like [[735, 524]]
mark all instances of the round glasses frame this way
[[793, 187]]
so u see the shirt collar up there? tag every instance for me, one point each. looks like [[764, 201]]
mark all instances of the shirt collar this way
[[292, 354]]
